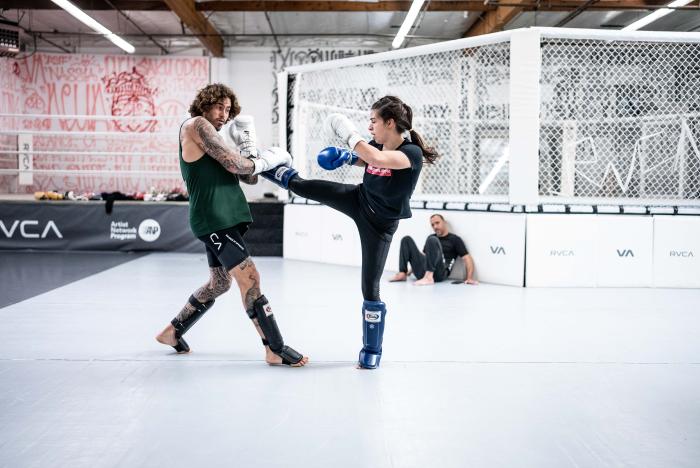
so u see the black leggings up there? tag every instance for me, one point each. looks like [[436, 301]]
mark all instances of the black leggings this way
[[431, 260], [375, 232]]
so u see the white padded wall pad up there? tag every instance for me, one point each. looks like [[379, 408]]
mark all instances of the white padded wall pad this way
[[302, 232], [589, 250], [340, 241], [677, 252], [560, 250], [496, 242], [624, 251]]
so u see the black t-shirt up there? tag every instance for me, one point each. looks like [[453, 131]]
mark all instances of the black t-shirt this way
[[388, 190], [452, 247]]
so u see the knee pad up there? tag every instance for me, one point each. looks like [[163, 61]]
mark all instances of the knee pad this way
[[373, 319], [262, 311], [181, 327]]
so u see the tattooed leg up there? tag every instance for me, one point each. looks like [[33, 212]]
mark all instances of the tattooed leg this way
[[248, 280], [202, 299], [219, 282]]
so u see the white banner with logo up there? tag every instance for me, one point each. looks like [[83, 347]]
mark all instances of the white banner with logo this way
[[624, 251], [340, 240], [302, 232], [67, 225], [677, 251], [561, 250], [317, 233], [589, 250], [496, 242]]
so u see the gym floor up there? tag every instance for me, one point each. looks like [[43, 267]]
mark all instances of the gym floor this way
[[472, 376]]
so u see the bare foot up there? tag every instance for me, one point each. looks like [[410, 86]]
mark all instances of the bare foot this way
[[425, 281], [167, 336], [400, 276], [273, 359]]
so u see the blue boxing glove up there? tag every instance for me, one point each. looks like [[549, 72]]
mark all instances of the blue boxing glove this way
[[333, 157]]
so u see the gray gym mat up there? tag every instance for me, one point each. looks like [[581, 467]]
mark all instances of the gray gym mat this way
[[28, 274]]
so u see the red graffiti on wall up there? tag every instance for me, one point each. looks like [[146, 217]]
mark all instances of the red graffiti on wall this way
[[131, 97], [43, 86]]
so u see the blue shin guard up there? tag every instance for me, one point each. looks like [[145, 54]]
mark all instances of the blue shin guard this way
[[373, 316], [280, 176]]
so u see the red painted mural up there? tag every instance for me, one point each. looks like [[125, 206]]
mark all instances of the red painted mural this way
[[147, 96]]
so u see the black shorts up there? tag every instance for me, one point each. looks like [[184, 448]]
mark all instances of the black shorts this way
[[226, 247]]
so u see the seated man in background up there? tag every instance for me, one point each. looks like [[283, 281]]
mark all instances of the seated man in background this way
[[438, 259]]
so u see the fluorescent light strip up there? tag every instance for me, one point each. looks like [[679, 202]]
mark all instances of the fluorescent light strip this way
[[121, 43], [496, 169], [93, 24], [407, 23], [650, 18]]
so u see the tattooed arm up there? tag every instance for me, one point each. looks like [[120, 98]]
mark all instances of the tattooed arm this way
[[248, 179], [207, 138]]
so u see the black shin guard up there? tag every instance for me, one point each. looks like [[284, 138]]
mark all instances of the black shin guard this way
[[273, 338], [182, 327]]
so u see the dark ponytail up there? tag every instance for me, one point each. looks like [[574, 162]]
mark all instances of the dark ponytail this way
[[429, 152], [391, 107]]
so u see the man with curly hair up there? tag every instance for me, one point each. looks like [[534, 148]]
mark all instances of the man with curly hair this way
[[219, 216]]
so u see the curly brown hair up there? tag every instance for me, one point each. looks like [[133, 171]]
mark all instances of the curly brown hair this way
[[210, 95]]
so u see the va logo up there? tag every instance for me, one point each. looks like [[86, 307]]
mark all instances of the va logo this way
[[681, 253], [27, 226], [496, 250], [625, 253], [337, 237]]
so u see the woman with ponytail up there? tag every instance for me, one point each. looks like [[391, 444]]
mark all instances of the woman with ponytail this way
[[392, 165]]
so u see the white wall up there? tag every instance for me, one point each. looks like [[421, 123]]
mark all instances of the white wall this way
[[249, 73]]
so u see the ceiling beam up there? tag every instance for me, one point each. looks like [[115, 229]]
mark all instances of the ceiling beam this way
[[561, 23], [338, 5], [494, 20], [344, 5], [198, 24]]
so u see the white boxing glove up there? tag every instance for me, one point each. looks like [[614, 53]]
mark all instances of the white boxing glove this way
[[271, 158], [344, 129], [242, 132]]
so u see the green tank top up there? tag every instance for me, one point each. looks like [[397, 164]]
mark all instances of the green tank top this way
[[216, 199]]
